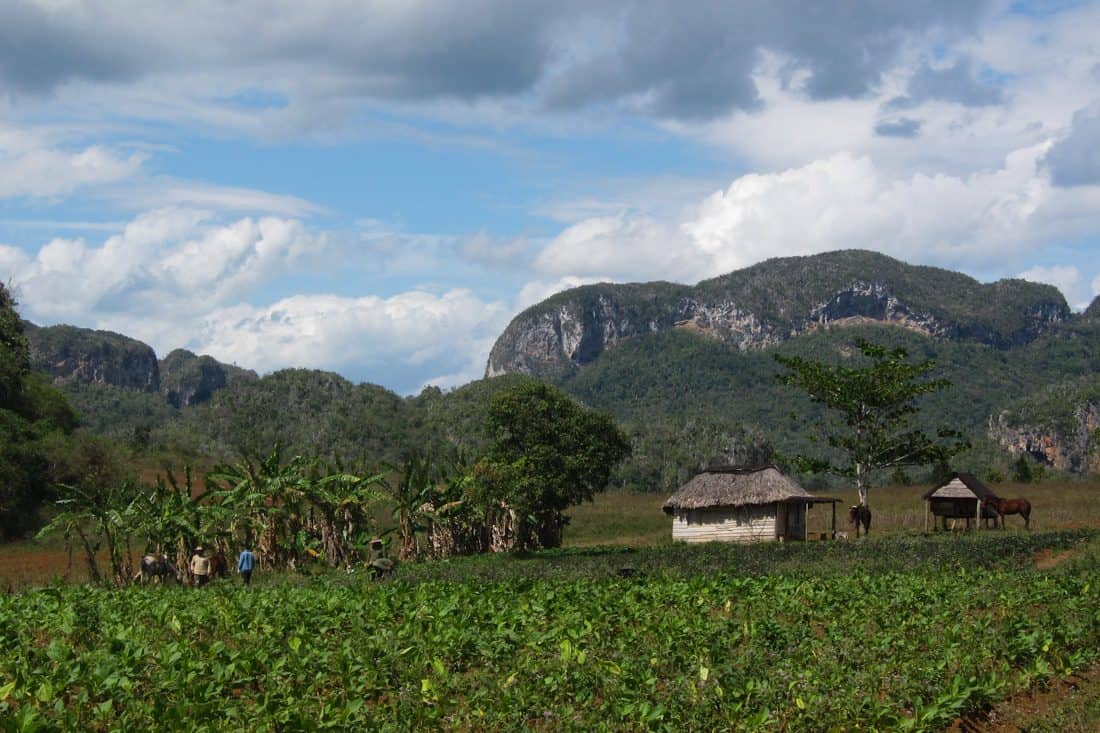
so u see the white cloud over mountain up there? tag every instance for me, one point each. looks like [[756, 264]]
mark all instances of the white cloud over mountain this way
[[180, 277], [985, 220]]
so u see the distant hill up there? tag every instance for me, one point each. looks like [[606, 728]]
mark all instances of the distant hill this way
[[687, 371], [307, 411], [772, 302], [187, 379], [116, 383]]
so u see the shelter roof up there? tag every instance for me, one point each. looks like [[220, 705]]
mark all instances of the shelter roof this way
[[960, 486], [731, 486]]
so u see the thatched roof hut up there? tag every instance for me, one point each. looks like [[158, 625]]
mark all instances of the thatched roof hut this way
[[731, 486], [959, 497], [740, 504]]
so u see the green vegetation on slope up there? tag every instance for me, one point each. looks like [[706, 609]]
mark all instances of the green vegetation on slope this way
[[658, 385], [84, 355], [307, 411], [782, 290], [1054, 408]]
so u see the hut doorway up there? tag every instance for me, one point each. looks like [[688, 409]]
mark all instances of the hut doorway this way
[[791, 521]]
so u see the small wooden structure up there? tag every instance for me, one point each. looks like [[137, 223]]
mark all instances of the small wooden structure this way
[[742, 504], [959, 498]]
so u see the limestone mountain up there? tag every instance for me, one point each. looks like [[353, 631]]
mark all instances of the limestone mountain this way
[[116, 383], [772, 302], [70, 354], [187, 379], [1058, 426]]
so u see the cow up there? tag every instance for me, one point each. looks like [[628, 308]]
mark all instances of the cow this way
[[156, 568]]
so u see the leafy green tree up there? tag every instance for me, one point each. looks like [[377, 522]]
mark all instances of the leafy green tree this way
[[875, 403], [292, 508], [547, 454], [32, 414], [173, 518], [1027, 471]]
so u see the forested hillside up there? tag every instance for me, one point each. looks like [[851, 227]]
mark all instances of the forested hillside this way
[[686, 394]]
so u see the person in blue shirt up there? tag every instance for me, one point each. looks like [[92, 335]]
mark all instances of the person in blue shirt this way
[[244, 565]]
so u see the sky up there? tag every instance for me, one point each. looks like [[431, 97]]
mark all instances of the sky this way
[[376, 187]]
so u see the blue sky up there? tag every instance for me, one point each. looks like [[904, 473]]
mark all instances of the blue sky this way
[[377, 187]]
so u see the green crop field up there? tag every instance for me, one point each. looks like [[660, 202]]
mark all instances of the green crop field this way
[[898, 633]]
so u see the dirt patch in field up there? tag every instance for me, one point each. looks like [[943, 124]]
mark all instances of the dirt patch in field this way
[[1047, 559], [1066, 705], [21, 569]]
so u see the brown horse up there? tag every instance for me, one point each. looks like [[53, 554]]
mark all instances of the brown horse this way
[[860, 515], [1010, 506], [219, 566]]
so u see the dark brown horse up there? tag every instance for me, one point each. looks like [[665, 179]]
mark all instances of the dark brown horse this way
[[219, 566], [860, 515], [1010, 506]]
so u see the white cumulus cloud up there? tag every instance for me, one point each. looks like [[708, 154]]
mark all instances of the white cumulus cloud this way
[[166, 263], [182, 278], [988, 219], [354, 335], [30, 166]]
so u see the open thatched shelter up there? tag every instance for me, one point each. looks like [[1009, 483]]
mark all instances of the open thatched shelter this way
[[958, 498], [741, 504]]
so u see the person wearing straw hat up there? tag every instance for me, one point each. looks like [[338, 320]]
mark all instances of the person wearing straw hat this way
[[200, 567]]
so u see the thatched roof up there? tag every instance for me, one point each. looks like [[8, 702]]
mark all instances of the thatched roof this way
[[729, 486], [960, 486]]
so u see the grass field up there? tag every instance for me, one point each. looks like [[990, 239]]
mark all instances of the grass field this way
[[635, 520]]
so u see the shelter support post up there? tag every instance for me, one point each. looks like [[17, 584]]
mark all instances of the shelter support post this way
[[978, 514], [833, 505], [927, 511]]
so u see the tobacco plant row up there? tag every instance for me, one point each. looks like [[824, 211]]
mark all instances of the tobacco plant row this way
[[891, 650]]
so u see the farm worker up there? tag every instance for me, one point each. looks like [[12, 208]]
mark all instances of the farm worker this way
[[200, 567], [379, 564], [244, 565]]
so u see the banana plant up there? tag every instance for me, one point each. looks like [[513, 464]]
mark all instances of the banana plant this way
[[101, 517], [411, 494]]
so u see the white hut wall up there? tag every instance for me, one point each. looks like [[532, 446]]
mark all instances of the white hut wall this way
[[726, 524]]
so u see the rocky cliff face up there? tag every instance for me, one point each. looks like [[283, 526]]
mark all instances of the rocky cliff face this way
[[772, 302], [187, 379], [69, 354], [1076, 449], [1058, 425]]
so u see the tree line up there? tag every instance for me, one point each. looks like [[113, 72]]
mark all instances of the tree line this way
[[546, 453]]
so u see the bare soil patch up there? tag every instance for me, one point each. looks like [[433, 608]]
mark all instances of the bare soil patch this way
[[1047, 559], [1065, 705]]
